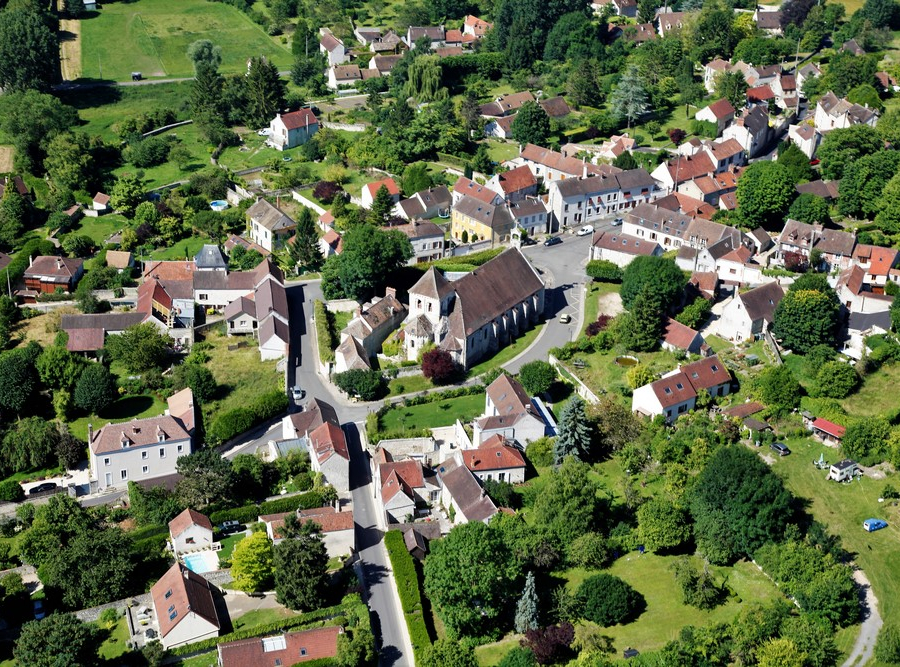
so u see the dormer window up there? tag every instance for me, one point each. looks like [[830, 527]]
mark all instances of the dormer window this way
[[668, 391]]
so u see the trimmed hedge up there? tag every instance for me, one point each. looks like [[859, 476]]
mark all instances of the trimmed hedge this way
[[443, 395], [234, 422], [472, 259], [313, 617], [324, 336], [407, 579], [11, 491], [250, 513]]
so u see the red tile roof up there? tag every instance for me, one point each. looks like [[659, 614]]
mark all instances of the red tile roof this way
[[327, 440], [517, 179], [465, 186], [678, 335], [299, 118], [744, 410], [187, 519], [721, 109], [287, 649], [85, 340], [493, 454], [389, 183], [828, 427], [182, 592], [399, 476], [760, 94], [881, 260]]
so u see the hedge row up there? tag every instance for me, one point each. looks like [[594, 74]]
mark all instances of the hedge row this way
[[237, 421], [324, 338], [474, 258], [407, 579], [444, 395], [312, 617], [250, 513], [14, 271]]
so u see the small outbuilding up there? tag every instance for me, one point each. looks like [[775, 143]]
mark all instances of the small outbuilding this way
[[826, 431], [844, 470]]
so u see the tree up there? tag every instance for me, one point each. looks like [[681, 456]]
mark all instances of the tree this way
[[697, 586], [69, 161], [602, 270], [626, 161], [69, 450], [31, 120], [738, 504], [607, 600], [880, 13], [252, 563], [780, 652], [814, 636], [665, 280], [582, 86], [439, 366], [304, 246], [519, 656], [531, 125], [866, 95], [569, 504], [265, 92], [810, 209], [842, 147], [29, 52], [449, 653], [424, 79], [58, 639], [537, 377], [126, 194], [204, 52], [29, 444], [865, 440], [301, 568], [662, 525], [140, 347], [835, 380], [573, 433], [382, 205], [778, 388], [14, 216], [550, 645], [17, 380], [207, 106], [370, 255], [888, 217], [367, 385], [58, 368], [470, 600], [95, 389], [206, 478], [864, 181], [527, 612], [198, 377], [732, 87], [644, 325], [765, 192], [630, 99], [806, 318]]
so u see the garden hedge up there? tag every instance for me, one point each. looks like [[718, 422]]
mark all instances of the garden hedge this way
[[250, 513], [234, 422], [407, 579], [324, 337]]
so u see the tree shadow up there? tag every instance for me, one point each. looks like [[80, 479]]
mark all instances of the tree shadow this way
[[127, 407]]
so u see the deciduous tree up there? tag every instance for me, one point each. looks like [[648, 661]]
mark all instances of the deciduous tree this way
[[206, 478], [95, 389], [126, 194], [140, 347], [531, 125], [665, 280], [252, 563], [765, 191], [301, 567], [57, 639], [607, 600], [29, 52], [842, 147], [662, 525], [806, 318], [537, 377], [569, 505]]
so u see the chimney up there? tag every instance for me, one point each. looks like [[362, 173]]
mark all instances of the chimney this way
[[390, 291]]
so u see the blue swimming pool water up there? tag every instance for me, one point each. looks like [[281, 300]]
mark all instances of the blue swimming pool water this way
[[205, 561]]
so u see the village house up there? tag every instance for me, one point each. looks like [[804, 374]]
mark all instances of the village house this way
[[462, 496], [494, 459], [704, 159], [47, 274], [138, 450], [676, 392], [852, 46], [465, 187], [384, 64], [510, 414], [720, 113], [878, 263], [426, 238], [621, 249], [472, 220], [390, 42], [531, 216], [515, 184], [711, 72], [627, 8], [190, 531], [336, 528], [475, 27], [329, 455], [737, 267], [710, 188], [431, 203], [678, 337], [435, 34], [859, 327], [800, 238], [403, 484], [332, 48], [289, 648], [826, 431], [857, 296], [261, 310], [834, 113], [87, 333], [749, 314], [100, 202], [121, 260], [670, 22], [579, 201], [478, 314], [707, 244], [370, 191], [330, 244], [182, 407], [292, 129], [184, 607], [550, 166], [807, 72], [751, 130], [768, 21], [340, 76], [506, 105], [805, 137], [685, 205], [374, 321], [270, 227]]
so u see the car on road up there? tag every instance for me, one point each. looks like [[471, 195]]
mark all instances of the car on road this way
[[780, 447], [230, 526], [41, 488], [528, 241], [584, 231], [872, 525], [553, 240], [297, 393], [39, 611], [565, 318], [617, 222]]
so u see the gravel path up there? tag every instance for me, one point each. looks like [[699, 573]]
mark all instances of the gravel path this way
[[864, 647]]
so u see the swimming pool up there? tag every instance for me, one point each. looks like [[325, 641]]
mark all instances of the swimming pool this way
[[218, 205], [202, 561]]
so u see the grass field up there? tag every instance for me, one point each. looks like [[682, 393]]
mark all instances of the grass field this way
[[432, 415], [158, 32], [186, 248], [240, 374], [876, 395], [408, 385], [595, 291], [100, 228], [508, 353], [113, 645], [258, 617], [602, 373]]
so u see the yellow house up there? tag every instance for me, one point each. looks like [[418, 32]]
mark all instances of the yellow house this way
[[474, 220]]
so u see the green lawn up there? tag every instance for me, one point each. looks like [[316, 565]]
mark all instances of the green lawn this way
[[411, 384], [501, 151], [489, 655], [259, 617], [210, 659], [124, 409], [228, 545], [186, 248], [169, 172], [843, 508], [877, 394], [508, 353], [432, 415], [114, 644], [717, 344], [596, 290], [152, 37], [101, 228], [603, 374], [240, 374], [34, 474]]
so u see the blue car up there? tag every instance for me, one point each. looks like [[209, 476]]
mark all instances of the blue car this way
[[874, 524]]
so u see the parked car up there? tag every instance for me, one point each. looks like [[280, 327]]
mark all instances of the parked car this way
[[780, 447], [617, 222], [553, 240], [872, 525], [41, 488], [230, 526], [297, 393], [528, 241], [39, 611], [584, 231], [565, 318]]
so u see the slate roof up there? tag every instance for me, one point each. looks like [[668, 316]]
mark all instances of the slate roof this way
[[467, 493], [187, 519], [183, 592], [241, 306], [760, 303], [432, 285], [768, 20], [210, 257], [835, 242], [495, 217], [316, 413], [824, 189], [269, 216], [556, 107], [53, 268], [624, 243]]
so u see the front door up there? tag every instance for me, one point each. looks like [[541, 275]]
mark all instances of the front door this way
[[108, 479]]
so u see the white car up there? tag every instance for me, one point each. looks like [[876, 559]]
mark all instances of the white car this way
[[584, 231]]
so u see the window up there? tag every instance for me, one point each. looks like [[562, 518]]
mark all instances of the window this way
[[144, 469], [429, 306], [168, 594], [680, 386], [302, 651], [180, 448], [668, 391], [144, 455], [173, 615], [106, 461], [123, 474], [501, 476], [162, 452], [715, 369], [203, 297]]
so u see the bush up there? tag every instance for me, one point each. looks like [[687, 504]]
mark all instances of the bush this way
[[695, 315], [439, 366], [250, 513], [607, 600], [537, 377], [540, 452], [835, 379], [326, 191], [408, 589], [11, 491], [324, 332], [236, 421], [604, 271], [367, 385]]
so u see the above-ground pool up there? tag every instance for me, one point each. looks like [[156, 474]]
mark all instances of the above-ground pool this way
[[218, 205], [202, 561], [627, 360]]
